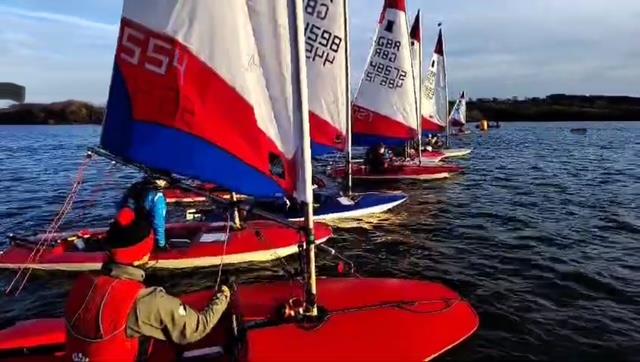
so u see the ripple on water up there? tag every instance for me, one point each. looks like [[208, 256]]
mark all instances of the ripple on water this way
[[540, 233]]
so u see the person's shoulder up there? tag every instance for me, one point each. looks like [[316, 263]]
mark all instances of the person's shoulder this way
[[156, 297]]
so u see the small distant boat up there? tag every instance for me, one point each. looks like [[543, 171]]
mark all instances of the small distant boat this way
[[578, 130], [461, 133]]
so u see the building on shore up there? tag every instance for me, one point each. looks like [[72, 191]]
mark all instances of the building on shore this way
[[13, 92]]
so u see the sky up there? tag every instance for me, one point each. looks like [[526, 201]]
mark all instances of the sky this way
[[63, 49]]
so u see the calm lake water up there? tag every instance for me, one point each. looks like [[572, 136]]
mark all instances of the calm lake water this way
[[541, 233]]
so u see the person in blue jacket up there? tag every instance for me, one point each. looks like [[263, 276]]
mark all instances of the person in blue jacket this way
[[147, 196]]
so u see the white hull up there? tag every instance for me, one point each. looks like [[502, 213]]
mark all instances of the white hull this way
[[457, 152], [356, 213], [434, 176]]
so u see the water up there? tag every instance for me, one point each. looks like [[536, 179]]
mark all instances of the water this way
[[541, 234]]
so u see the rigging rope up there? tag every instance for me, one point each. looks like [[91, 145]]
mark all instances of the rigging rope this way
[[224, 249], [48, 237], [108, 177]]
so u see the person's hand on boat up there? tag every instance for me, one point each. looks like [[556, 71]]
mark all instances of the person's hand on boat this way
[[224, 292]]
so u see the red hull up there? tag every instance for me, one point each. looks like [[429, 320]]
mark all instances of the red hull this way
[[409, 171], [178, 195], [368, 320], [433, 156], [192, 245]]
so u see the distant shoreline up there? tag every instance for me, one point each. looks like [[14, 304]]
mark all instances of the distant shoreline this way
[[553, 108], [69, 112], [556, 108]]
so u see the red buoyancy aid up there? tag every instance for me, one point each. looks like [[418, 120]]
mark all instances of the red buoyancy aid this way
[[96, 315]]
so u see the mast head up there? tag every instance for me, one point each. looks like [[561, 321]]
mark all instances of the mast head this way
[[395, 4], [439, 49], [416, 31]]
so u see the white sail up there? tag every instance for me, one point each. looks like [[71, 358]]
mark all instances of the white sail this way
[[189, 95], [325, 51], [274, 28], [434, 91], [385, 104], [458, 117], [415, 43]]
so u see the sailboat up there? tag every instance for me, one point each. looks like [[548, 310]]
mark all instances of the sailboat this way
[[435, 99], [327, 58], [150, 121], [385, 106], [458, 116], [415, 42], [400, 320], [328, 71], [193, 245]]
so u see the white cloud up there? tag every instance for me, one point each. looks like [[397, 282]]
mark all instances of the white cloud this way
[[505, 47], [73, 20], [64, 49], [56, 56]]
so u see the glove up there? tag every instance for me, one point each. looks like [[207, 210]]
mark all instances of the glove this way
[[225, 292]]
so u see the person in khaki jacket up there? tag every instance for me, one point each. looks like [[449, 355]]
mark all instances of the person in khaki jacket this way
[[106, 314]]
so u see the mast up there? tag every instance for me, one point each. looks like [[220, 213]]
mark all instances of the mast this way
[[419, 89], [301, 112], [347, 69], [415, 43], [446, 86]]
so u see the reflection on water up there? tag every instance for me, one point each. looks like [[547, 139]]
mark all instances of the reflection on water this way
[[541, 233]]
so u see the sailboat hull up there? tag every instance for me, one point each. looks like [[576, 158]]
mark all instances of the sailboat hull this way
[[363, 319], [358, 205], [191, 245], [397, 172], [456, 152]]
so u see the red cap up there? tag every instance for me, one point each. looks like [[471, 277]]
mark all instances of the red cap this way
[[129, 238], [134, 253]]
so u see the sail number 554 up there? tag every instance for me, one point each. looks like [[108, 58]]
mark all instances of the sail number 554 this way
[[153, 53]]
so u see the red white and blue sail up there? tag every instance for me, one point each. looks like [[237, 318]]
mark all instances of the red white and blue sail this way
[[458, 117], [384, 109], [325, 51], [434, 92], [190, 95]]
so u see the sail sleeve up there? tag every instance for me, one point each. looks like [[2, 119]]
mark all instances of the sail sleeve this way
[[189, 96], [385, 107]]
